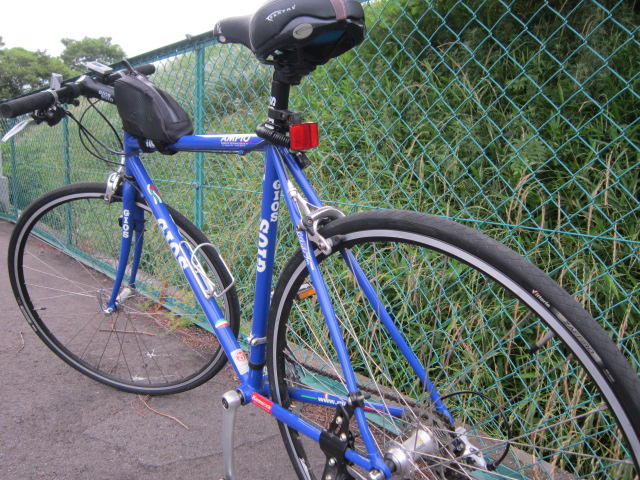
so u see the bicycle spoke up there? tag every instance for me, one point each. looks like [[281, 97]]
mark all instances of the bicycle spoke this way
[[152, 342], [526, 413]]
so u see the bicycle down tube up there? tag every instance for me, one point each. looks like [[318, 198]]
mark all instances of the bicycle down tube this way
[[183, 255]]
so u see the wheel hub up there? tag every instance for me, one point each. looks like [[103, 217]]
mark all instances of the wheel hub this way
[[421, 442]]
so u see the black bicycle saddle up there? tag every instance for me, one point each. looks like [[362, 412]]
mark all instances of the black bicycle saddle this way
[[296, 36]]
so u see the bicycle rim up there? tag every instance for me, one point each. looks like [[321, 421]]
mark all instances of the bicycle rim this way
[[533, 403], [63, 256]]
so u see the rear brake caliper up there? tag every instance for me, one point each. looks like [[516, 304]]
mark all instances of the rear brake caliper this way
[[313, 220]]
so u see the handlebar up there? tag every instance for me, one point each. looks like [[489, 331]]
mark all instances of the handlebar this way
[[147, 69], [38, 101], [100, 88]]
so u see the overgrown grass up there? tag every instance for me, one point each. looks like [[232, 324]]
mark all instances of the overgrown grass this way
[[517, 117], [474, 339]]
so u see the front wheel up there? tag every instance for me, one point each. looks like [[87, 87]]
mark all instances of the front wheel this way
[[62, 260], [533, 387]]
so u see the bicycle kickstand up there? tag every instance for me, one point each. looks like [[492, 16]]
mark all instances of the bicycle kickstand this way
[[230, 401]]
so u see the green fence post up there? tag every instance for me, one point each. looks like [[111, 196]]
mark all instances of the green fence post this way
[[13, 196], [67, 176], [198, 180], [66, 148], [5, 203]]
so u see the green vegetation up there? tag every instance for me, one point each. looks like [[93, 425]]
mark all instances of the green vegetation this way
[[522, 119], [77, 52], [519, 118], [22, 71]]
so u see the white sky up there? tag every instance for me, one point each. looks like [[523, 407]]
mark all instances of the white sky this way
[[137, 26]]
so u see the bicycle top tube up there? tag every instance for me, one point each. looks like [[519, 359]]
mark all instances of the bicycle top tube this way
[[229, 143]]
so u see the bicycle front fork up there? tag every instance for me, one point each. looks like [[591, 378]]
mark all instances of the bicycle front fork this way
[[131, 223]]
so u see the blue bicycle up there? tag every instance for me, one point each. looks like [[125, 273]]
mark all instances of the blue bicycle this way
[[395, 344]]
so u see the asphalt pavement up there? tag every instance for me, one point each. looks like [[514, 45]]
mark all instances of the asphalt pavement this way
[[55, 423]]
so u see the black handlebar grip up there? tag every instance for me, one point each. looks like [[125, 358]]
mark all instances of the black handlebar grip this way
[[38, 101], [147, 69], [28, 104]]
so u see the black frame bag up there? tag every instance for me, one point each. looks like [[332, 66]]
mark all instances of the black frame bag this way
[[150, 113]]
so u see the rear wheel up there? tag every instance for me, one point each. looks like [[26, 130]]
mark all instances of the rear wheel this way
[[62, 259], [535, 387]]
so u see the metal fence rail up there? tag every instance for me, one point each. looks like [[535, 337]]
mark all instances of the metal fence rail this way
[[517, 117]]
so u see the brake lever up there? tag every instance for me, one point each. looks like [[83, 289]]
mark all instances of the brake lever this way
[[17, 128], [50, 116]]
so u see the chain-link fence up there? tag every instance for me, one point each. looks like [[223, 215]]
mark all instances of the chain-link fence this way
[[518, 117]]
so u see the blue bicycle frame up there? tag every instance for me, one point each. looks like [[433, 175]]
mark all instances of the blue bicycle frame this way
[[279, 163]]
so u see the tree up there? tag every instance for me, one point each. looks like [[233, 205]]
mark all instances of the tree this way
[[22, 71], [76, 52]]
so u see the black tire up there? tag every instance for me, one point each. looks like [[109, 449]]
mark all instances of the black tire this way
[[472, 312], [62, 258]]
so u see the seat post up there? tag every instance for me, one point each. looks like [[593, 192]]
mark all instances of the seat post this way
[[279, 101]]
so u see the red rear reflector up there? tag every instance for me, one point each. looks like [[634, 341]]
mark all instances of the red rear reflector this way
[[303, 136]]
